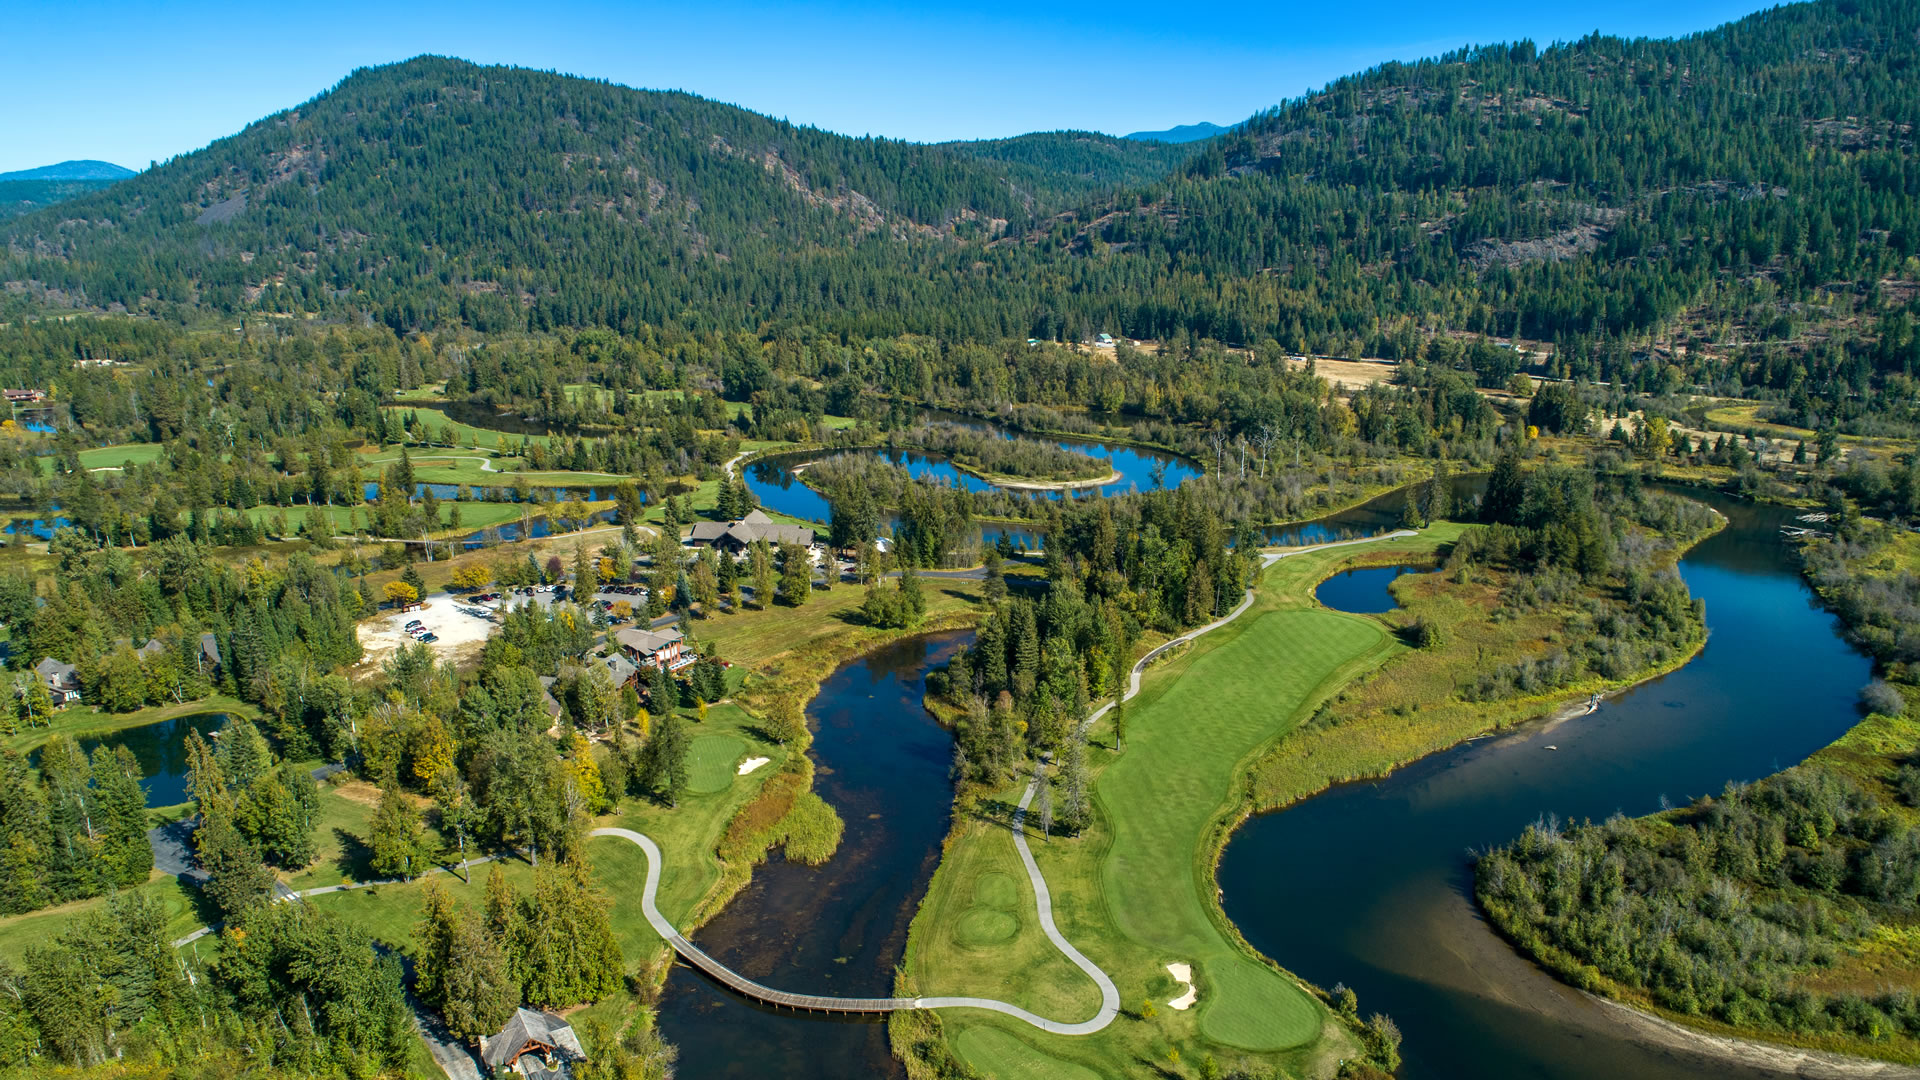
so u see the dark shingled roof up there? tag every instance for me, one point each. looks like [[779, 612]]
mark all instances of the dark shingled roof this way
[[528, 1026]]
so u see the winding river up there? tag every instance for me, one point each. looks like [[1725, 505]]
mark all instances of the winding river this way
[[836, 929], [776, 482], [1390, 857], [1774, 683], [1367, 885]]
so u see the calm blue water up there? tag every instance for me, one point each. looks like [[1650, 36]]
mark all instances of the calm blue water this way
[[839, 928], [1375, 516], [161, 750], [1364, 591], [774, 482], [1774, 684]]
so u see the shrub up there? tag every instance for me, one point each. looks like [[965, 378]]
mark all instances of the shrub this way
[[1880, 697]]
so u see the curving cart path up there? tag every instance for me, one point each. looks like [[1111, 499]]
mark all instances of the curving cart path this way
[[1109, 994]]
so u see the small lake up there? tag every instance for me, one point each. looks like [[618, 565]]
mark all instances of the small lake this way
[[1366, 591], [161, 750]]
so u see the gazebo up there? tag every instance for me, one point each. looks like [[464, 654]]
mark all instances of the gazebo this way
[[537, 1045]]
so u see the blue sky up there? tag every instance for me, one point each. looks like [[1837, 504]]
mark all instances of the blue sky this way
[[135, 82]]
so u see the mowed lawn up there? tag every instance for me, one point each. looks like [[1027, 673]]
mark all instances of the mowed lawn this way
[[111, 457], [1133, 892]]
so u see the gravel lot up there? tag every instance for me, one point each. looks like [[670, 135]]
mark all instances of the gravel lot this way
[[461, 635]]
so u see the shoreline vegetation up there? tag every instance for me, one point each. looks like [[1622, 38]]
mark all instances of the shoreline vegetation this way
[[1826, 841], [1015, 456]]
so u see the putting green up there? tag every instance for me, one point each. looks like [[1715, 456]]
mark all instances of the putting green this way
[[712, 762], [1241, 1005], [1005, 1056], [996, 890], [986, 926]]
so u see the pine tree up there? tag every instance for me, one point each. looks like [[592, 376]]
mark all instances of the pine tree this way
[[480, 992], [760, 570], [395, 834], [116, 784], [1074, 810], [669, 757], [236, 878], [796, 575], [433, 938], [1043, 800], [913, 599]]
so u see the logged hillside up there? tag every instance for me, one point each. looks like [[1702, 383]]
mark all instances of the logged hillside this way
[[1742, 204]]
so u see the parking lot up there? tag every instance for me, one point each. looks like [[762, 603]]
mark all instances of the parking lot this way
[[459, 634]]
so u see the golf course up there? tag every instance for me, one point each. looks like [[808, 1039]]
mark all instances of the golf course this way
[[1135, 890]]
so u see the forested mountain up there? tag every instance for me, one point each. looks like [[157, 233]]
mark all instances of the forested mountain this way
[[84, 169], [1750, 188], [26, 190], [1056, 164], [1183, 133], [436, 190]]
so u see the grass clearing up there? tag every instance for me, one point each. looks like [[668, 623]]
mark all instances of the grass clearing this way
[[753, 635], [465, 434], [37, 929], [114, 457]]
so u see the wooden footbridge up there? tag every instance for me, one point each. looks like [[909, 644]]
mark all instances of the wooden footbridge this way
[[781, 999]]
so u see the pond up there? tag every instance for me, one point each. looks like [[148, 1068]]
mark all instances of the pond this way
[[161, 750], [1367, 591]]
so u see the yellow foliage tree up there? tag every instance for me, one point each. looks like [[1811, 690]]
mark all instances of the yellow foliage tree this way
[[585, 773], [399, 592], [474, 575], [433, 751]]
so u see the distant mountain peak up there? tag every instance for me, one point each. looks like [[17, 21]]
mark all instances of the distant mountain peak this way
[[71, 170], [1185, 133]]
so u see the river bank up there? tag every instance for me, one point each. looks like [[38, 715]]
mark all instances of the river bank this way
[[1409, 940]]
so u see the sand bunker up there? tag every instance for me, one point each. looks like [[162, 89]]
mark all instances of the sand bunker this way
[[751, 764], [1183, 973]]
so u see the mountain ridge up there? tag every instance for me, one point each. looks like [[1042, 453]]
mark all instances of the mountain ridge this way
[[1181, 133], [77, 169], [1591, 193]]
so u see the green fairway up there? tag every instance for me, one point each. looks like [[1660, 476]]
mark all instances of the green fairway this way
[[111, 457], [712, 761], [465, 434], [1135, 891], [1005, 1056]]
